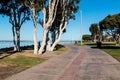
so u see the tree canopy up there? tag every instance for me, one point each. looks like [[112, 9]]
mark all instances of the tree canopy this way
[[94, 29], [55, 17], [18, 14], [111, 24]]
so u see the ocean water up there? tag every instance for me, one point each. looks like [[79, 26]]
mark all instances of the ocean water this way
[[7, 44]]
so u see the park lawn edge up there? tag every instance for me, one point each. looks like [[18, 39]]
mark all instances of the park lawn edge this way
[[112, 50]]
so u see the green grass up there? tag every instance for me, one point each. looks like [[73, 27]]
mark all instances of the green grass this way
[[22, 61], [91, 44], [63, 49], [108, 47], [113, 52]]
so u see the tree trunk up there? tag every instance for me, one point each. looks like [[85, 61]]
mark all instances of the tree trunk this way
[[35, 32], [35, 42], [61, 29], [53, 36], [44, 41], [117, 43], [117, 39], [100, 36], [18, 39], [94, 38], [14, 42], [56, 41], [48, 45]]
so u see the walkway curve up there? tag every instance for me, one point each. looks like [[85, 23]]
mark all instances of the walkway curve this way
[[79, 63]]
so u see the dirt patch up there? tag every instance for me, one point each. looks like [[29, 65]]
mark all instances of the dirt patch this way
[[8, 71]]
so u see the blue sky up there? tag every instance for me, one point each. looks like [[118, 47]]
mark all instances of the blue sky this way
[[93, 11]]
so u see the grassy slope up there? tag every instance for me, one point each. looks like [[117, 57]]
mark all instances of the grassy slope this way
[[113, 52], [12, 63], [24, 59]]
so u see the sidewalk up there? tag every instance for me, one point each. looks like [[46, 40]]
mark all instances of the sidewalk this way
[[79, 63], [98, 65]]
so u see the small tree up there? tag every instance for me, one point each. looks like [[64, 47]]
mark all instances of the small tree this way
[[94, 31], [87, 37]]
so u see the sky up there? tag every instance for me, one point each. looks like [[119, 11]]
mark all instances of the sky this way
[[93, 11]]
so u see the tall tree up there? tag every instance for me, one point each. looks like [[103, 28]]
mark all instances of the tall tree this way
[[49, 12], [35, 6], [111, 25], [66, 11], [94, 30], [18, 14]]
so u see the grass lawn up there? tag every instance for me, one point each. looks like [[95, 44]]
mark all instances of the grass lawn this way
[[113, 52], [108, 47], [22, 61], [12, 63], [26, 58]]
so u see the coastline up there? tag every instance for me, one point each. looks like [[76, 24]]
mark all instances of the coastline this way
[[9, 44]]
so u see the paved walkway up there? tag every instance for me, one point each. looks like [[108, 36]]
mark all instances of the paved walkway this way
[[79, 63]]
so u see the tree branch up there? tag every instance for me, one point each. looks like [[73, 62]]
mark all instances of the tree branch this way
[[44, 12]]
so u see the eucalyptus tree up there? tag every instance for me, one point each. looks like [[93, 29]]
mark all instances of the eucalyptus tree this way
[[35, 6], [94, 31], [54, 30], [66, 11], [49, 13], [111, 25], [18, 14]]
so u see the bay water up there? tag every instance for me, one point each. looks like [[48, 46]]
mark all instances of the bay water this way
[[7, 44]]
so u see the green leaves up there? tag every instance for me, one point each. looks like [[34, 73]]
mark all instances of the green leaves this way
[[110, 22], [94, 29]]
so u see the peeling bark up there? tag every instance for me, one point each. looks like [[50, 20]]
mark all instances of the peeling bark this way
[[48, 23], [62, 27], [18, 39], [14, 42], [42, 48], [35, 32]]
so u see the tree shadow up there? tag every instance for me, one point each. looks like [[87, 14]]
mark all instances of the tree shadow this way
[[6, 53], [104, 46], [58, 46], [9, 51], [108, 47]]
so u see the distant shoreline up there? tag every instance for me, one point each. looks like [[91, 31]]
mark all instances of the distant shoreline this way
[[9, 43], [12, 41], [29, 47]]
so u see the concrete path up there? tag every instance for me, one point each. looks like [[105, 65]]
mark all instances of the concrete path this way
[[79, 63]]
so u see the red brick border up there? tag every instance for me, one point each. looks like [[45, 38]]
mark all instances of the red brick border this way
[[70, 72]]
